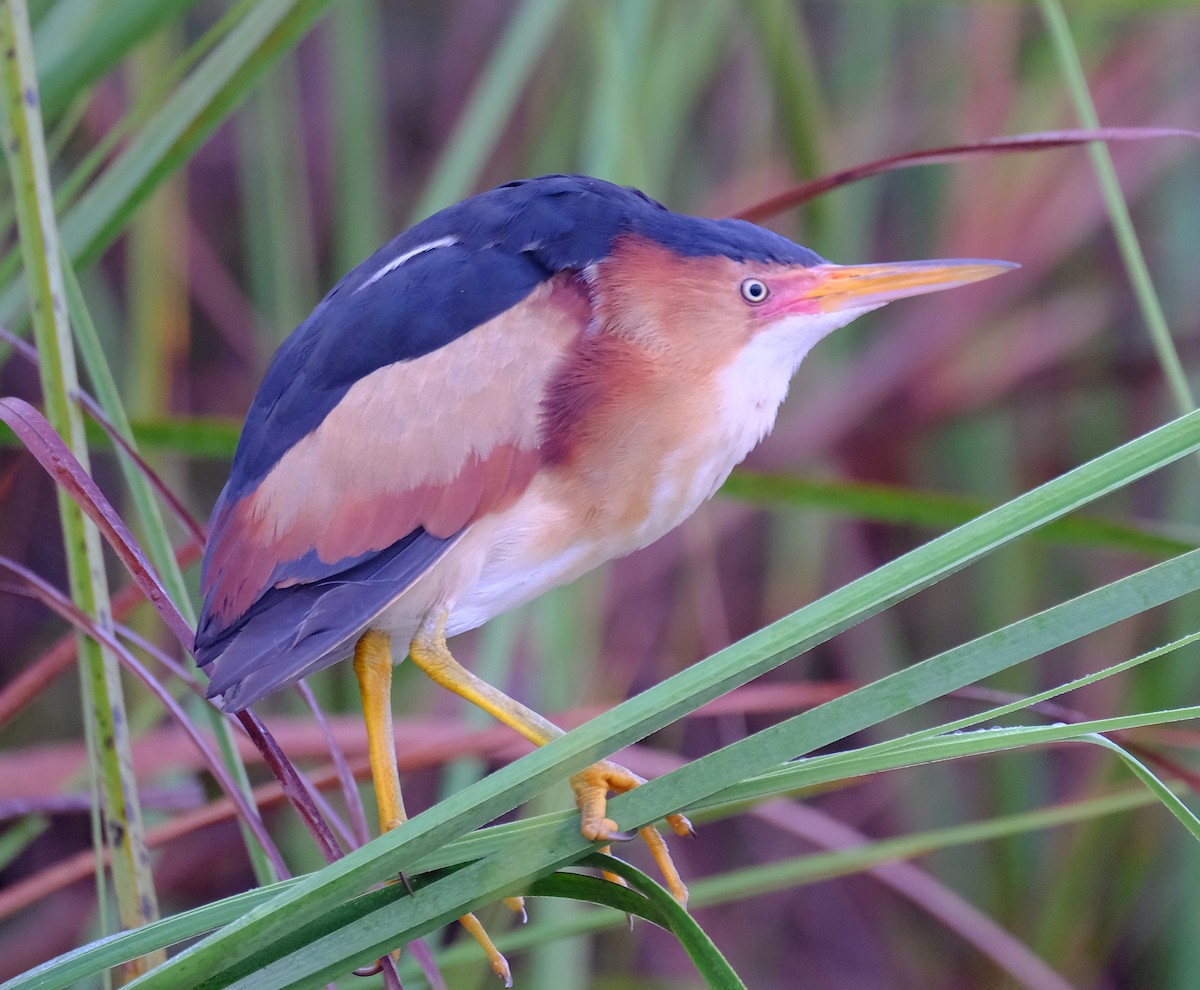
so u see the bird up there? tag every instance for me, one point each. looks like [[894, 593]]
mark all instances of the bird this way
[[533, 381]]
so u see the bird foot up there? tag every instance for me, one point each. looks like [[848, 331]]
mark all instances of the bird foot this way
[[517, 906], [499, 963], [472, 924], [592, 787]]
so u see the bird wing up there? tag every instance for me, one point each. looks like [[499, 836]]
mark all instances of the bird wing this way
[[405, 407], [309, 543]]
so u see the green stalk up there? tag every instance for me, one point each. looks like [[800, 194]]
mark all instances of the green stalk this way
[[791, 67], [104, 713], [157, 541], [358, 154], [1110, 188], [276, 197]]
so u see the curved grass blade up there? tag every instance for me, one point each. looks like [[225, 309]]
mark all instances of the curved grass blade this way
[[713, 966], [366, 927], [41, 440], [58, 602], [67, 472], [72, 967], [737, 885], [185, 519], [1168, 798], [22, 689]]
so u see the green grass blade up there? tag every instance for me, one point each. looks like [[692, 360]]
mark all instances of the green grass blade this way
[[202, 101], [364, 928], [74, 967], [672, 81], [275, 196], [1168, 798], [358, 152], [712, 965], [738, 885], [104, 713], [75, 48], [791, 65], [993, 715], [154, 533], [1118, 210], [655, 708], [938, 510], [91, 959]]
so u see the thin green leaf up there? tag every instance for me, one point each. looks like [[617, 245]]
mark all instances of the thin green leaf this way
[[938, 510], [202, 101], [713, 966], [1169, 798], [737, 885], [658, 706], [74, 48], [1110, 187]]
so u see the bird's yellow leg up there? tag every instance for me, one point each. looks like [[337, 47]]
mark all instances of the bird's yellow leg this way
[[592, 786], [373, 667]]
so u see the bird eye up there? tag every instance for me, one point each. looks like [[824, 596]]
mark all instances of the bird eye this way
[[754, 290]]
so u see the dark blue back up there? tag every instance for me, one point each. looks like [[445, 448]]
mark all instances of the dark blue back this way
[[509, 240]]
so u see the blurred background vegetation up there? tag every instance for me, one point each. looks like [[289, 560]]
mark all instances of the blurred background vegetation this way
[[332, 141]]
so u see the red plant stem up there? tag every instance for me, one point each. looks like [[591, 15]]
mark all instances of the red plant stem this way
[[185, 518], [293, 787], [354, 805], [56, 600], [41, 440], [1041, 141], [26, 686]]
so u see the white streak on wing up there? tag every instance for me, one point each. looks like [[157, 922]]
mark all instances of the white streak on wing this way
[[407, 256]]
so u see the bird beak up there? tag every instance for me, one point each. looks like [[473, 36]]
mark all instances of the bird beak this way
[[827, 288]]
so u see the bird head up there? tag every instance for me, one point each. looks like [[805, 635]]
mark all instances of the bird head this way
[[706, 309]]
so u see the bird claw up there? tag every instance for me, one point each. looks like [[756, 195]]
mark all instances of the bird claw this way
[[498, 962], [592, 787], [517, 906], [681, 825]]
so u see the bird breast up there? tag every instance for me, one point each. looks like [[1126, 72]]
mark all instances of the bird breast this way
[[638, 465]]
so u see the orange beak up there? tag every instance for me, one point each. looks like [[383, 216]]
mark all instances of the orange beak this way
[[827, 288]]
